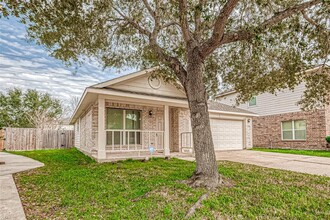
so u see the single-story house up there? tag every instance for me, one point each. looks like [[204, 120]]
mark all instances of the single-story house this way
[[136, 115]]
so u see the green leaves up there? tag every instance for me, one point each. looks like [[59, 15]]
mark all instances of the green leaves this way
[[117, 33], [19, 109]]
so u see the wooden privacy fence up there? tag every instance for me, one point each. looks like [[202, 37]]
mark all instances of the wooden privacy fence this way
[[16, 139], [2, 139]]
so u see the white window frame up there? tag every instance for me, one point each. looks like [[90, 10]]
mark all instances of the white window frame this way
[[293, 131], [253, 97], [124, 130]]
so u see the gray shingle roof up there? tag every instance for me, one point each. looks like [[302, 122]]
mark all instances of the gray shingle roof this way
[[217, 106]]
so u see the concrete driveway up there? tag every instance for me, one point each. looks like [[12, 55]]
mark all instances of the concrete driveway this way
[[10, 203], [292, 162]]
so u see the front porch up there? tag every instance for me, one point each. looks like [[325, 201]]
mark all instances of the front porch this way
[[139, 130]]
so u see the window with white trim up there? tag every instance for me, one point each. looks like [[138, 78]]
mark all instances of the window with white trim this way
[[294, 130], [253, 101], [123, 126]]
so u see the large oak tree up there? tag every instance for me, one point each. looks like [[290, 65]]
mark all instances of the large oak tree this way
[[253, 46]]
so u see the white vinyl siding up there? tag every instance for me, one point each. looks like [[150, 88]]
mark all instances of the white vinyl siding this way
[[294, 130], [270, 104]]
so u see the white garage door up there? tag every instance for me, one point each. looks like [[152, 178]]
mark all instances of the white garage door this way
[[227, 134]]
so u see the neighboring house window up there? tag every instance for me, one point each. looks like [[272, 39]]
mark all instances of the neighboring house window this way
[[294, 130], [253, 101], [123, 126]]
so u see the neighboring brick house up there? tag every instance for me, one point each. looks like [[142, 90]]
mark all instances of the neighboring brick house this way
[[127, 116], [281, 123]]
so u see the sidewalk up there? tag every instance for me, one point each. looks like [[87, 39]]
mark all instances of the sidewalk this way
[[10, 204]]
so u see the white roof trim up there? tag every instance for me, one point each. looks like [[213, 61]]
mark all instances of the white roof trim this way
[[123, 78], [101, 91], [233, 113], [78, 106], [138, 96], [168, 101], [225, 93]]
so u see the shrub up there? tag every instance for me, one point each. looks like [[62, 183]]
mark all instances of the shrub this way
[[327, 138]]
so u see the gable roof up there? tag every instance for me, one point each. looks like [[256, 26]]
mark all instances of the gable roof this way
[[124, 78], [114, 89]]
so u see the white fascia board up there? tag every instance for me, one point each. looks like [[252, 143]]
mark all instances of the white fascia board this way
[[77, 107], [234, 113], [225, 94], [138, 96], [124, 78]]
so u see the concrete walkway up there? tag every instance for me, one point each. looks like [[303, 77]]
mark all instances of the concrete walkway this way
[[292, 162], [10, 204]]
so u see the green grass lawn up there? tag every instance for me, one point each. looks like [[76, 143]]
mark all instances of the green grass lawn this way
[[72, 186], [318, 153]]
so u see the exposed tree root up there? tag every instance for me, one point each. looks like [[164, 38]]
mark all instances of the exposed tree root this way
[[200, 180], [197, 205]]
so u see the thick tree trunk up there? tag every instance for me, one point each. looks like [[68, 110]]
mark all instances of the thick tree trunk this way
[[206, 173]]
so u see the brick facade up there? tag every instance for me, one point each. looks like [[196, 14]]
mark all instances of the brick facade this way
[[327, 119], [152, 122], [86, 130], [248, 134], [179, 123], [267, 130]]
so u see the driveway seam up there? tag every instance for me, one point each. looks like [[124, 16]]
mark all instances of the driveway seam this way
[[292, 162], [304, 161]]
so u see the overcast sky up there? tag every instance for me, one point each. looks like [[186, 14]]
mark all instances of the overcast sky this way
[[26, 65]]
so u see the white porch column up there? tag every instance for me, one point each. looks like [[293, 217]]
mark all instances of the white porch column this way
[[101, 134], [167, 130]]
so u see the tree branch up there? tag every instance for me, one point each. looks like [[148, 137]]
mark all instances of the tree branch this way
[[219, 27], [198, 20], [172, 62], [133, 23], [151, 12], [312, 22], [184, 20], [287, 13], [279, 17], [170, 24]]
